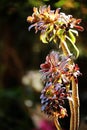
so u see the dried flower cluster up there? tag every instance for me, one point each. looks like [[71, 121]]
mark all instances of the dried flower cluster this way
[[53, 24], [59, 72], [52, 100], [58, 68], [56, 75]]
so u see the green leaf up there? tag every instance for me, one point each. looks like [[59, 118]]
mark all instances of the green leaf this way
[[49, 29], [43, 38], [60, 34], [51, 38], [72, 37], [49, 33], [46, 0], [76, 49], [60, 3], [74, 31]]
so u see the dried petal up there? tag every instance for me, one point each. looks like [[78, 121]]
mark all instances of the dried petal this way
[[53, 24], [52, 100]]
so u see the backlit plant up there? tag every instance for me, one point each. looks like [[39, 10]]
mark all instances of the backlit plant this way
[[59, 72]]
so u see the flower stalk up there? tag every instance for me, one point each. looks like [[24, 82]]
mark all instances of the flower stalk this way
[[74, 103], [72, 121], [59, 72], [75, 97], [71, 100], [65, 49], [57, 124]]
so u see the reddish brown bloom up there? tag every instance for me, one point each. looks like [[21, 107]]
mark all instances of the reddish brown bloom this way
[[44, 16], [58, 68], [52, 98], [52, 23], [57, 72]]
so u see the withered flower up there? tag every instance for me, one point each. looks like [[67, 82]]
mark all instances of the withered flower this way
[[59, 72], [52, 98], [58, 68], [53, 24]]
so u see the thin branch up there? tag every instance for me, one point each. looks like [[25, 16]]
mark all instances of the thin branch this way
[[71, 103], [65, 48], [72, 121], [56, 122], [75, 97]]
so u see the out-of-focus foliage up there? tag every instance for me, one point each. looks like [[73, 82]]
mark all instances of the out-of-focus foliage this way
[[21, 51], [67, 4]]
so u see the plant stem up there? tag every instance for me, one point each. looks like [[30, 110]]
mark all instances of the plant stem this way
[[73, 104], [65, 48], [56, 122], [75, 97]]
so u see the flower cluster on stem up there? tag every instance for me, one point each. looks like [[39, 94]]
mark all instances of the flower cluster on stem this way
[[59, 72]]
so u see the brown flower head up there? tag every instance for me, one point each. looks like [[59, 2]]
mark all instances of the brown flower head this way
[[53, 24], [57, 68], [52, 98]]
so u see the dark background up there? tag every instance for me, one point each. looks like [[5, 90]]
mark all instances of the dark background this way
[[21, 51]]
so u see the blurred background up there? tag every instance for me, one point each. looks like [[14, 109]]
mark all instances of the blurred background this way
[[21, 53]]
